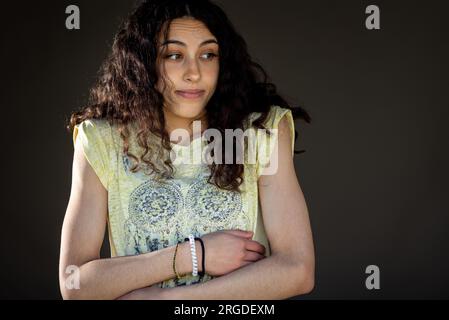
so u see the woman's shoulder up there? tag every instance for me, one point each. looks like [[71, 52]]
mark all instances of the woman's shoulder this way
[[94, 125], [95, 137], [94, 131], [275, 114], [266, 143]]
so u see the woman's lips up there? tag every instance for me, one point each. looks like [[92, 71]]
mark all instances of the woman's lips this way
[[194, 94]]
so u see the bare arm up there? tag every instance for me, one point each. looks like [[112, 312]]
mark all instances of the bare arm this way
[[289, 271], [82, 236]]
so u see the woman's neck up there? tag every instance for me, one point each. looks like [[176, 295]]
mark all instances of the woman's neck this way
[[173, 122]]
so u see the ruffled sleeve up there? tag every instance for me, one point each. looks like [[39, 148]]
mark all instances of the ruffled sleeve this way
[[266, 144], [95, 137]]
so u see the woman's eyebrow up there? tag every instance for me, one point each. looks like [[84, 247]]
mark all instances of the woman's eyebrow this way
[[183, 44]]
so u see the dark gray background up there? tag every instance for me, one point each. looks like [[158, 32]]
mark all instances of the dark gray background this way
[[375, 171]]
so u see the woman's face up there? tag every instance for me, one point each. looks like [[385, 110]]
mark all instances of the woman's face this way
[[191, 62]]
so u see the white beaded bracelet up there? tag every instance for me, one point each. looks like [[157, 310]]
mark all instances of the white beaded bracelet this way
[[194, 258]]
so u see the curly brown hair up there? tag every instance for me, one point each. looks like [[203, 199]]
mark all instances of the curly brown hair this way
[[125, 91]]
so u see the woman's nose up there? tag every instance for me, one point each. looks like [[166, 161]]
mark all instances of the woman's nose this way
[[192, 72]]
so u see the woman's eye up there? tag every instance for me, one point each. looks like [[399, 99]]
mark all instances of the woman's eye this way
[[211, 55], [169, 56]]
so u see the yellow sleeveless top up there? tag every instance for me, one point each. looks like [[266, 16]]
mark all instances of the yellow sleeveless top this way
[[146, 215]]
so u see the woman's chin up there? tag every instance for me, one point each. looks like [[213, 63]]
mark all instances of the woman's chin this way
[[188, 112]]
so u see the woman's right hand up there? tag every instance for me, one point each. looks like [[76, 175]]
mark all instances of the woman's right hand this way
[[228, 250]]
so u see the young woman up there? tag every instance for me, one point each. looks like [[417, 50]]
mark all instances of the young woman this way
[[178, 229]]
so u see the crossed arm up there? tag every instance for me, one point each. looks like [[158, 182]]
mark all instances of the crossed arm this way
[[288, 272]]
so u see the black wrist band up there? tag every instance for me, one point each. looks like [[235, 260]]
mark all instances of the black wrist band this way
[[201, 273]]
